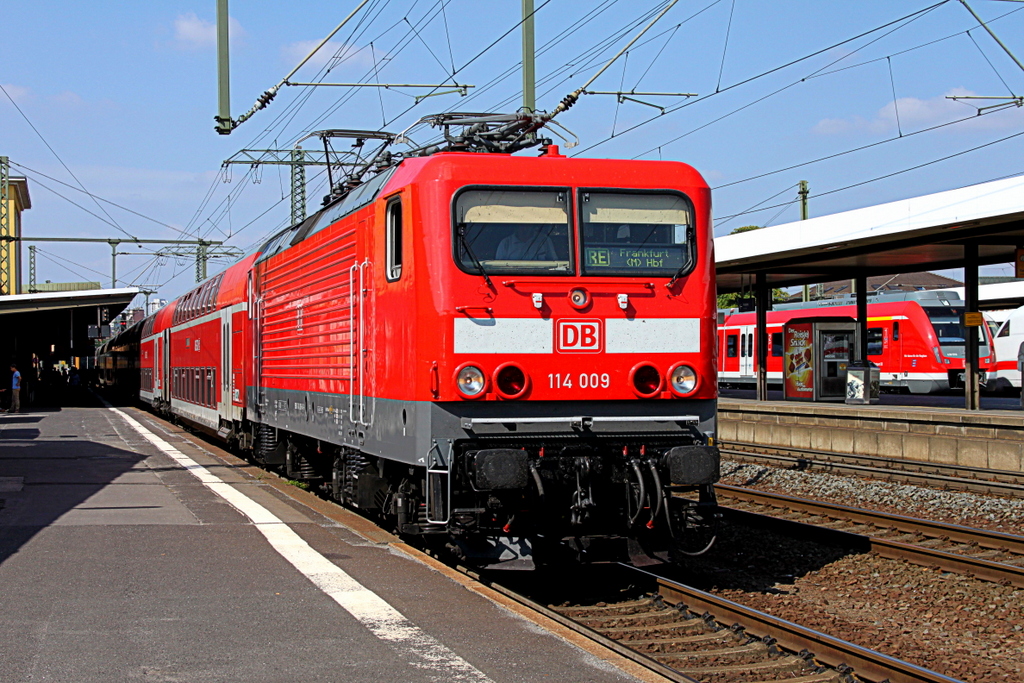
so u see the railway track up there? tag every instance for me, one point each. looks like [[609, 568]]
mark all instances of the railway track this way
[[987, 555], [688, 635], [956, 477]]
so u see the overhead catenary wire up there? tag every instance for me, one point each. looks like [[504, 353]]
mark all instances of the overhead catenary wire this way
[[890, 175], [899, 23], [57, 156], [725, 48], [989, 61], [31, 171], [836, 155]]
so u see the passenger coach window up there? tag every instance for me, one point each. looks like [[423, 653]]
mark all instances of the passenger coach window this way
[[394, 239], [513, 231], [730, 346], [777, 344], [635, 234], [874, 341]]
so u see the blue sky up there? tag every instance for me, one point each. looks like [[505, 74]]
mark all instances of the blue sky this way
[[125, 94]]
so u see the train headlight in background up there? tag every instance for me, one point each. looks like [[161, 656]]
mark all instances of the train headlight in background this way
[[511, 381], [471, 381], [683, 379], [579, 298], [646, 380]]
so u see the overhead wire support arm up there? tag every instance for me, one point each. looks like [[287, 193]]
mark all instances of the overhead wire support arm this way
[[456, 87], [572, 97], [631, 96], [1002, 101], [225, 127]]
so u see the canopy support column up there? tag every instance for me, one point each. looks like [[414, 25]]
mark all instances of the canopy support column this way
[[862, 319], [762, 294], [972, 385]]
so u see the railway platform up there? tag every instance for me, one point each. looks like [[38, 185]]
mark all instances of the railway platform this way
[[990, 439], [130, 550]]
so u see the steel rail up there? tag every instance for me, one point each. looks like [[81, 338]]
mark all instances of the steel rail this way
[[927, 527], [833, 652], [826, 650], [950, 476], [589, 633], [980, 568]]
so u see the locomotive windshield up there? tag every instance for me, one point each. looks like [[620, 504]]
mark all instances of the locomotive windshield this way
[[951, 334], [634, 234], [513, 231]]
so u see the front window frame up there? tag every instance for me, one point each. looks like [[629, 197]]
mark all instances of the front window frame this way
[[691, 234], [571, 237]]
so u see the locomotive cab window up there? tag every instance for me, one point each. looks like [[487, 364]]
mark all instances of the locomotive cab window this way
[[393, 225], [643, 234], [513, 231]]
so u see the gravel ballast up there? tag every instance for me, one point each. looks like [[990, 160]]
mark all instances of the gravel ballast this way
[[956, 507]]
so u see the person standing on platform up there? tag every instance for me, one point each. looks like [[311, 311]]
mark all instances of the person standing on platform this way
[[15, 390]]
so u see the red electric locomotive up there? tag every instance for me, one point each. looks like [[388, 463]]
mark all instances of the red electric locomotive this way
[[514, 354]]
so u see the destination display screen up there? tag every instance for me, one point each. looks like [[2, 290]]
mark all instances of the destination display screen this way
[[621, 258], [643, 234]]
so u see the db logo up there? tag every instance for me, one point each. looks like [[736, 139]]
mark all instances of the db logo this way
[[578, 336]]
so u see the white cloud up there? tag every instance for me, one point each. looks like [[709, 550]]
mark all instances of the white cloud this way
[[68, 100], [332, 53], [193, 33], [18, 93], [916, 114]]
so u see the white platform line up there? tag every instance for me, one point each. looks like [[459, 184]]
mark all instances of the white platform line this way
[[420, 649]]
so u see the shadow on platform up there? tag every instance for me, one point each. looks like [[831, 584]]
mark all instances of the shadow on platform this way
[[42, 480]]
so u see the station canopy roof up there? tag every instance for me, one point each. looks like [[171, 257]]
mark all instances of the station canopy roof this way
[[921, 233], [115, 300]]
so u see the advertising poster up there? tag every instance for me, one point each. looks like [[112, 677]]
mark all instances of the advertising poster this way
[[798, 361]]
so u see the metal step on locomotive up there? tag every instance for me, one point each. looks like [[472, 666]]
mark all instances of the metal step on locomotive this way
[[511, 355]]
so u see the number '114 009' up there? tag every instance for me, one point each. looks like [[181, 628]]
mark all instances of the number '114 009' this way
[[584, 380]]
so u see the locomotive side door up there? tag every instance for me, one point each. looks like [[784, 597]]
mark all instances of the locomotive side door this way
[[361, 401], [747, 351]]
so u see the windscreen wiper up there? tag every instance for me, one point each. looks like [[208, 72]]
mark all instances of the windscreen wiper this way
[[469, 250]]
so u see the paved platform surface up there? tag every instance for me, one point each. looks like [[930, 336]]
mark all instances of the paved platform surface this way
[[118, 564]]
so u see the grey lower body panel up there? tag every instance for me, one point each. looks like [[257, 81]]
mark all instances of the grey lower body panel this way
[[407, 431]]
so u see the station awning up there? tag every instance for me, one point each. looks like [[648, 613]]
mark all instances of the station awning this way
[[114, 300], [921, 233]]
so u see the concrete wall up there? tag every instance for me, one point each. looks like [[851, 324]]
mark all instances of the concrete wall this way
[[993, 440]]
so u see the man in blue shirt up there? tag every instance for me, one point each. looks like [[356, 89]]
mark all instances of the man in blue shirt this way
[[15, 390]]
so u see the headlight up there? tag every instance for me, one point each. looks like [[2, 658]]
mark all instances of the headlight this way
[[684, 379], [470, 380]]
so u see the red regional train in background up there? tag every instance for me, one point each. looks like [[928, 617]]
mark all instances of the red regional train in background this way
[[914, 338], [513, 354]]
